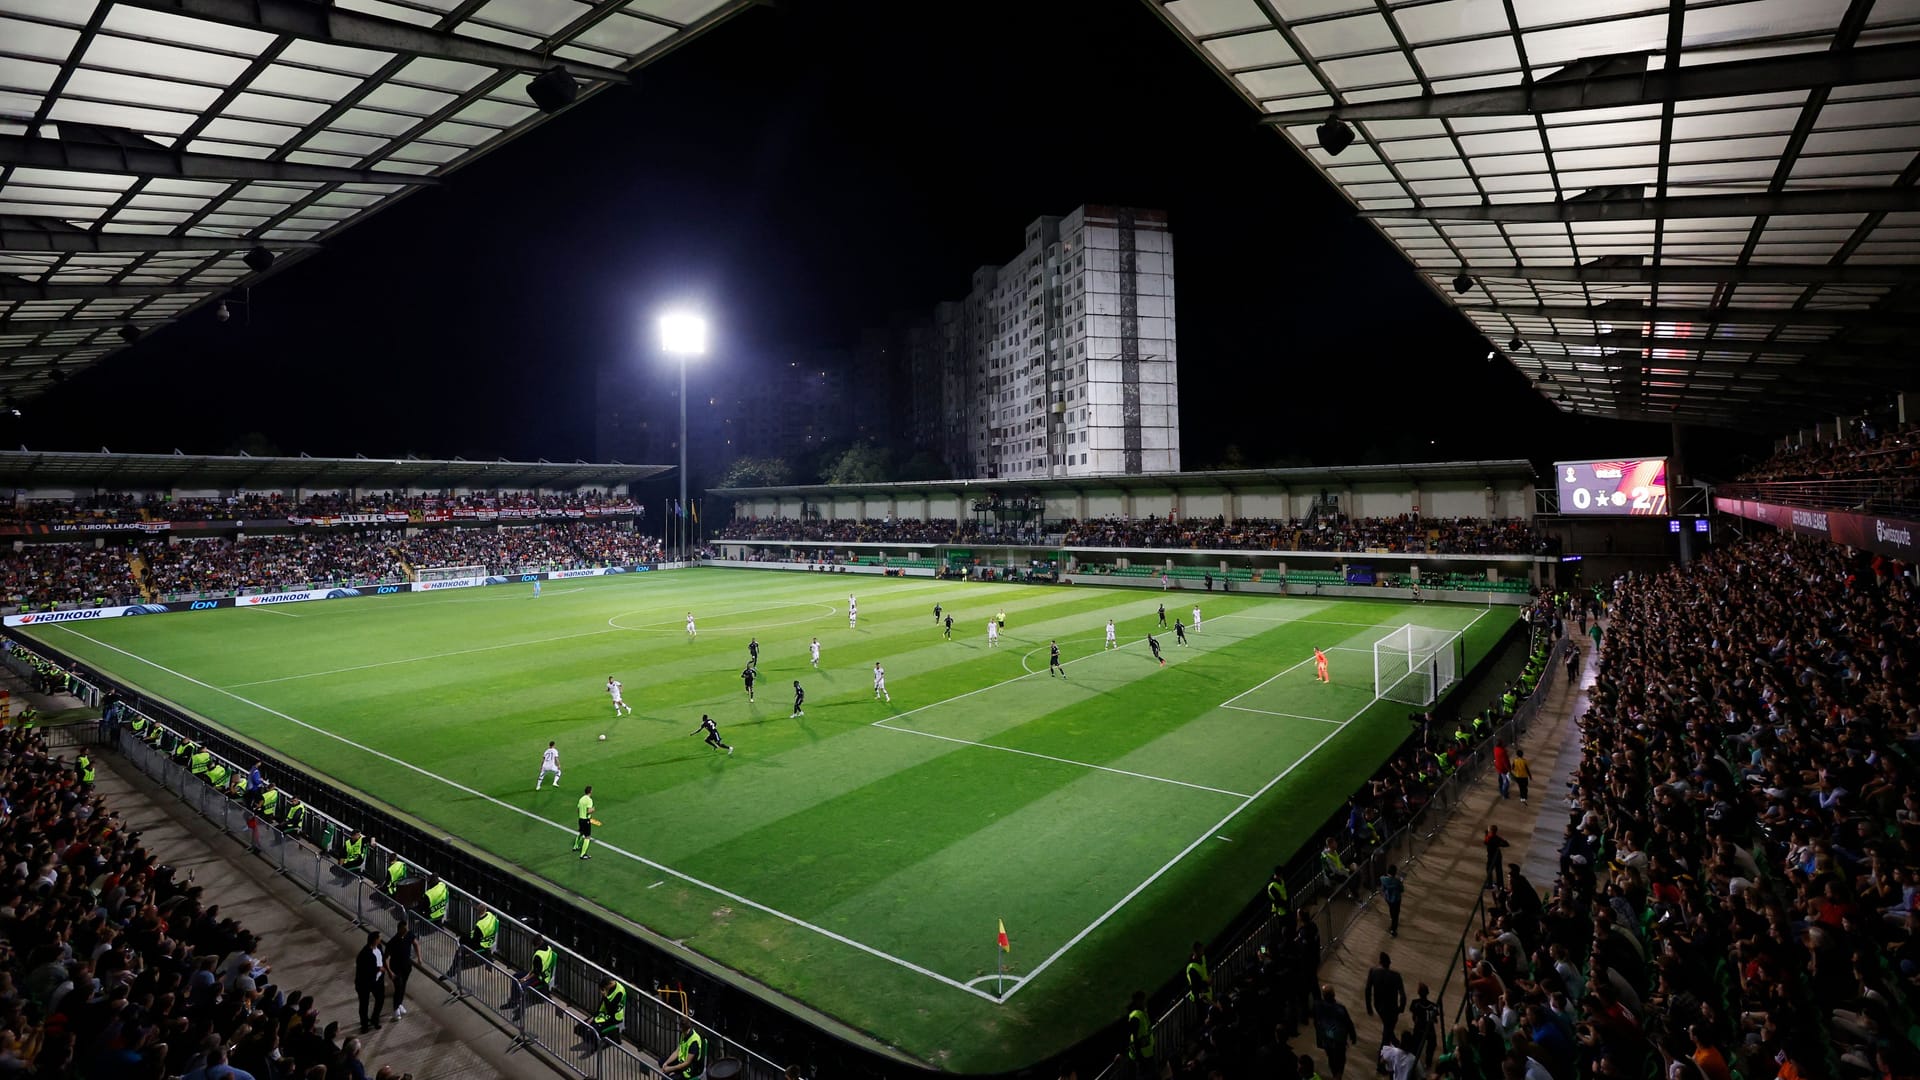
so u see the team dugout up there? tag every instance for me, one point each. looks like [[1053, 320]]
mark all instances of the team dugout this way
[[1460, 530]]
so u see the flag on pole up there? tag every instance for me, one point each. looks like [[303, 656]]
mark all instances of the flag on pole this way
[[696, 513], [1004, 945]]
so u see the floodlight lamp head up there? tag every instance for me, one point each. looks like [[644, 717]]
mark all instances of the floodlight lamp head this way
[[129, 333], [1462, 283], [1335, 135], [682, 333], [220, 312], [1516, 344]]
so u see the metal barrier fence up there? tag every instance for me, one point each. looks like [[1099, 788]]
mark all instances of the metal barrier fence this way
[[1180, 1023], [1899, 494], [555, 1022]]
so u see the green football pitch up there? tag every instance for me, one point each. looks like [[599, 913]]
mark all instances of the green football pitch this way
[[860, 858]]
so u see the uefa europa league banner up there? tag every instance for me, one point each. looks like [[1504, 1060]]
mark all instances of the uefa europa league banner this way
[[1869, 532]]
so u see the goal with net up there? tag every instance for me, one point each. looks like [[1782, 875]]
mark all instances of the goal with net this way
[[1414, 665], [448, 573]]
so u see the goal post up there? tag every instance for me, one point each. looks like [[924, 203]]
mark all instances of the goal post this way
[[448, 573], [1415, 665]]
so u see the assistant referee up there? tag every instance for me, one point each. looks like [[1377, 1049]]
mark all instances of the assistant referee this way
[[585, 839]]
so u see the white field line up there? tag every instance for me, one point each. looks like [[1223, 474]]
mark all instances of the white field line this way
[[641, 859], [274, 611], [1228, 704], [1184, 852], [1270, 712], [983, 689], [1157, 874], [886, 725], [1064, 761]]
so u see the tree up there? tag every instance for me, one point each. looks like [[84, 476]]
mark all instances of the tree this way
[[757, 472], [925, 465], [862, 463]]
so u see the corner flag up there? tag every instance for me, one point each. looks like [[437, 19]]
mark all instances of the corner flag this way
[[1004, 945]]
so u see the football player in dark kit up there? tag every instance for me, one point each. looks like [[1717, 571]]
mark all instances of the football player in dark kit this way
[[1053, 660], [713, 734]]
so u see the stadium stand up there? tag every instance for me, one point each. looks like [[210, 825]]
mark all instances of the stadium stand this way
[[1407, 534], [867, 531], [1869, 456], [42, 575], [134, 507], [114, 965], [1744, 856]]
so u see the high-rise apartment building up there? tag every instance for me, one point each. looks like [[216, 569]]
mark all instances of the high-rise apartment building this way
[[1063, 361]]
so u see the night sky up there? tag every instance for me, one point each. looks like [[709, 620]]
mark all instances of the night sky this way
[[803, 173]]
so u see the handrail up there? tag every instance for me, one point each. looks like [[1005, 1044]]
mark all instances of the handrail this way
[[1886, 494]]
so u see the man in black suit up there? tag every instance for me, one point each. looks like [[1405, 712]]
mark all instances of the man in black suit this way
[[369, 981]]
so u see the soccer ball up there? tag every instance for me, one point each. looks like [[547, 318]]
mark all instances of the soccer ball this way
[[603, 738]]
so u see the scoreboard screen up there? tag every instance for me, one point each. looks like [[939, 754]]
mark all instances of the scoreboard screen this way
[[1623, 486]]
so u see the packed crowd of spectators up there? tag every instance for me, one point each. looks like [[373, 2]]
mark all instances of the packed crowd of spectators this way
[[42, 575], [317, 558], [113, 965], [1406, 534], [570, 546], [1739, 888], [1868, 455], [842, 530], [131, 507]]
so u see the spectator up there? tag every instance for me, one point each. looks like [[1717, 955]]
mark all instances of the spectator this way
[[369, 981]]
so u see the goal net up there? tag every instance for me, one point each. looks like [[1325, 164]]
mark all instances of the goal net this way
[[448, 573], [1414, 665]]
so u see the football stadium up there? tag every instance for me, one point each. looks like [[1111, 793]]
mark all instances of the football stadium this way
[[854, 680]]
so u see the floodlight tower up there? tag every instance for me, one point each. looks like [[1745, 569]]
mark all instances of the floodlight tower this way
[[683, 335]]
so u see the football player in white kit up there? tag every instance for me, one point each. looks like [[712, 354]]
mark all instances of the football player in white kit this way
[[691, 632], [853, 613], [613, 691], [1111, 642], [1196, 618], [880, 682], [815, 650], [993, 632], [549, 763]]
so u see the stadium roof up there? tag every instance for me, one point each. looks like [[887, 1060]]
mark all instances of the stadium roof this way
[[1699, 211], [149, 147], [1217, 480], [153, 472]]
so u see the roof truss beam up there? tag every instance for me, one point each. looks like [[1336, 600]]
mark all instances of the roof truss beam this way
[[321, 22], [1571, 89], [37, 234], [1760, 273], [1637, 208], [1865, 320], [1858, 354], [10, 327], [16, 289], [84, 148]]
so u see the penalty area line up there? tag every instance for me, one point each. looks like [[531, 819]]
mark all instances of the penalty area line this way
[[1064, 761], [1288, 715], [523, 812], [1184, 852]]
